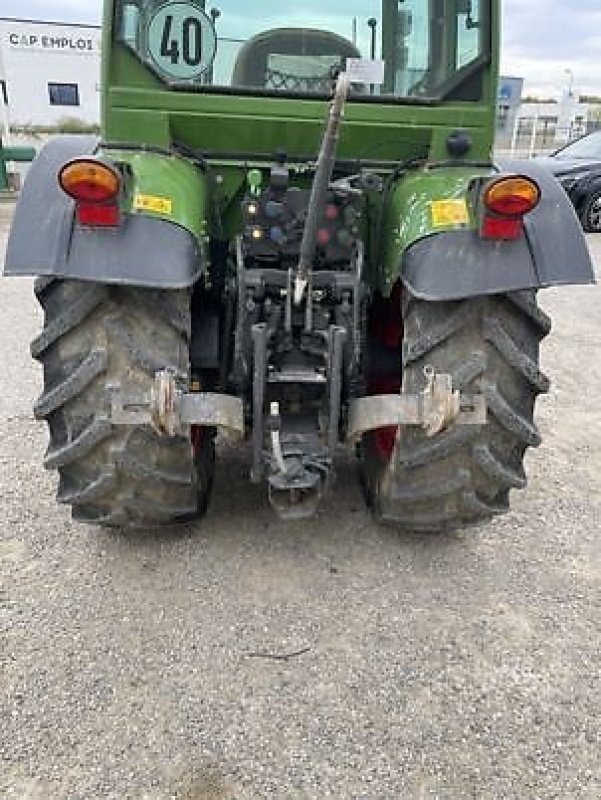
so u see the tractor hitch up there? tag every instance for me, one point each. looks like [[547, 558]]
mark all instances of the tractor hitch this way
[[435, 408], [170, 410]]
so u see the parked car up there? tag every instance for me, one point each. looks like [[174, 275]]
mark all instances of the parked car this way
[[577, 166]]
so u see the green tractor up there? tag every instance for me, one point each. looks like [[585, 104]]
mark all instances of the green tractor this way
[[292, 232]]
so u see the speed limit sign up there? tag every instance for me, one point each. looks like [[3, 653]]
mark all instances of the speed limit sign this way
[[181, 40]]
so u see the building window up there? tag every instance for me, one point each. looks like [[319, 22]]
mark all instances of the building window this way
[[4, 92], [63, 94]]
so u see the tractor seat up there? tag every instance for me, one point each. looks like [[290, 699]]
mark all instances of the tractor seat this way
[[293, 60]]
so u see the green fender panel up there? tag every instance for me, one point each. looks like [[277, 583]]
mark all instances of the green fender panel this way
[[166, 187], [409, 214]]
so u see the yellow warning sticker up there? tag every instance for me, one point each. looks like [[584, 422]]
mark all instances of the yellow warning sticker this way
[[449, 212], [149, 202]]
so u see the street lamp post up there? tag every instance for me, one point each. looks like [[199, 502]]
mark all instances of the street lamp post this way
[[570, 75]]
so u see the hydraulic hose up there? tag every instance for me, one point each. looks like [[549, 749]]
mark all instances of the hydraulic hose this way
[[319, 190]]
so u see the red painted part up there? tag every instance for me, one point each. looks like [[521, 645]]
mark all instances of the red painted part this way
[[386, 328], [197, 434], [323, 236], [385, 321], [384, 440]]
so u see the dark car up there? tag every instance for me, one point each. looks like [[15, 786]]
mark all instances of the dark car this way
[[577, 166]]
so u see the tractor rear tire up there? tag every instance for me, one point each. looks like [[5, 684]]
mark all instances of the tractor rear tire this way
[[96, 336], [463, 475]]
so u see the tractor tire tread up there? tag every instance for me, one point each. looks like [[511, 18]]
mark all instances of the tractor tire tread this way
[[63, 454], [492, 466], [463, 476], [142, 355], [495, 334], [128, 465], [427, 492], [72, 386], [525, 301], [91, 493], [472, 368], [96, 337], [42, 283], [71, 317], [427, 341], [510, 418]]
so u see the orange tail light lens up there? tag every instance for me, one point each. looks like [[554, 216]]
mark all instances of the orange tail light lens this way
[[88, 180], [512, 197]]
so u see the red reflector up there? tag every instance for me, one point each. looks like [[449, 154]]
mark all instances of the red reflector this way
[[331, 212], [501, 228], [323, 236], [105, 216]]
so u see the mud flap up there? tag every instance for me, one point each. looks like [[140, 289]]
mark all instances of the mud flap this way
[[458, 264], [44, 240]]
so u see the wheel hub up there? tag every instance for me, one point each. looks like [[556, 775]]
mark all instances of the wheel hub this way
[[594, 215]]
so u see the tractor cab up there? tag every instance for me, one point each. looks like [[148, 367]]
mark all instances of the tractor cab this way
[[417, 48]]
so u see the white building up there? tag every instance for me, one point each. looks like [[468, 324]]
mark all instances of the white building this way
[[49, 71]]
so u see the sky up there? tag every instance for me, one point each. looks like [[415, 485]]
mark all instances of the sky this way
[[548, 42]]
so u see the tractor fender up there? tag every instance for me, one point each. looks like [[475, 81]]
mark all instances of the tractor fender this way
[[452, 265], [146, 250]]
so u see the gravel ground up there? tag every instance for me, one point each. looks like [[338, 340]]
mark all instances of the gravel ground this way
[[458, 666]]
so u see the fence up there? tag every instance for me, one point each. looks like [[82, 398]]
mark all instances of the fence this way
[[535, 136]]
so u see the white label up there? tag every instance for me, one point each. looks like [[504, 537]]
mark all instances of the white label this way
[[365, 70]]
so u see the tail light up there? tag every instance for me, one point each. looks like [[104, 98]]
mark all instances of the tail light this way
[[95, 186], [506, 201]]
